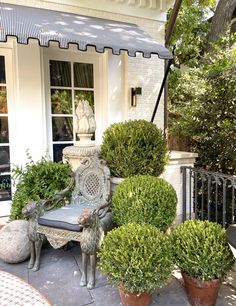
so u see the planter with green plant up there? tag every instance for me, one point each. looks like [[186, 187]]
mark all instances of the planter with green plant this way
[[38, 181], [144, 198], [134, 147], [201, 251], [137, 259]]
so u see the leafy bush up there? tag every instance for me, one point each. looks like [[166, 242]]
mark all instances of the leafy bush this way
[[209, 123], [203, 102], [134, 147], [37, 181], [136, 257], [191, 25], [144, 199], [201, 250]]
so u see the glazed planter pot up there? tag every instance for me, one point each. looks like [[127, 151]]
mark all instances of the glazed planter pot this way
[[201, 293], [135, 299]]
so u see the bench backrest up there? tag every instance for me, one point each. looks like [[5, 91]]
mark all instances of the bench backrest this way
[[92, 182]]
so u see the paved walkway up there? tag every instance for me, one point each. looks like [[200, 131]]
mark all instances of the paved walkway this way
[[59, 276]]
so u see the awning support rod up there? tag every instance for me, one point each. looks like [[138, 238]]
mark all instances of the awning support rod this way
[[172, 21], [161, 89]]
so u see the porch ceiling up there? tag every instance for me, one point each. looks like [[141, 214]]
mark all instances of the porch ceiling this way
[[46, 25]]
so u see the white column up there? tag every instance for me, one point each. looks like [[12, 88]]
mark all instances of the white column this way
[[116, 88], [29, 131], [173, 175]]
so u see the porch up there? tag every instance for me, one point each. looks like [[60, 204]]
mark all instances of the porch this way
[[62, 269]]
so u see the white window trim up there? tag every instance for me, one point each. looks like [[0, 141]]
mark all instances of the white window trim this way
[[100, 85], [5, 51]]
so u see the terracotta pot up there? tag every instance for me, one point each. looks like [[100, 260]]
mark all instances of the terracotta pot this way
[[134, 299], [201, 293]]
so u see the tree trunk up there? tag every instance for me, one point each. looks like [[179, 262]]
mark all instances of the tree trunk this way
[[222, 18]]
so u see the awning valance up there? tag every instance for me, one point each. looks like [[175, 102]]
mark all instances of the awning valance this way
[[46, 25]]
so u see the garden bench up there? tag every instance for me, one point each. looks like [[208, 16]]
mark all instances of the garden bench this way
[[90, 200]]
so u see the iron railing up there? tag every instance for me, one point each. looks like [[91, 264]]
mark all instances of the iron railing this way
[[209, 196]]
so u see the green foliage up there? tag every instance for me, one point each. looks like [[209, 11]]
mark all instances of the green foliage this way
[[201, 89], [3, 102], [201, 250], [37, 181], [134, 147], [203, 3], [61, 102], [191, 30], [136, 257], [144, 199], [204, 103], [190, 34]]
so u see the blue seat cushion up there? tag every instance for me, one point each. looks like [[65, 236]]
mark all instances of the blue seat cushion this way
[[64, 218]]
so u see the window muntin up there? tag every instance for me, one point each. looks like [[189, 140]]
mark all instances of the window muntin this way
[[5, 178], [69, 82]]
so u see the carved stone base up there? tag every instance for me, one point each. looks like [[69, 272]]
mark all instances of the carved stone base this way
[[58, 237], [74, 154]]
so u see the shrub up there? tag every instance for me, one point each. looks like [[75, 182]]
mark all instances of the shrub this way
[[146, 199], [136, 257], [134, 147], [37, 181], [203, 106], [200, 249]]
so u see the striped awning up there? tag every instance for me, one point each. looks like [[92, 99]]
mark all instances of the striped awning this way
[[65, 28]]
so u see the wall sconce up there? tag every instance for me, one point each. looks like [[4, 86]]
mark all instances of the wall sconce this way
[[134, 93]]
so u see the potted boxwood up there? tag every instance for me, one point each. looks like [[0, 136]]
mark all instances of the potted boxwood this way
[[137, 259], [201, 251], [144, 198], [134, 147]]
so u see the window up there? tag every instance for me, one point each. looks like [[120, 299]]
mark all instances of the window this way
[[5, 179], [69, 82]]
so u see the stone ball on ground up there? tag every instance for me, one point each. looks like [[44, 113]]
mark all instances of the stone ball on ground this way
[[14, 242]]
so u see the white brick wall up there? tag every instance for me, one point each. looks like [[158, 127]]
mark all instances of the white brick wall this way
[[152, 71]]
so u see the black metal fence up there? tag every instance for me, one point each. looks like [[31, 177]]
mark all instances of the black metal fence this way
[[209, 196]]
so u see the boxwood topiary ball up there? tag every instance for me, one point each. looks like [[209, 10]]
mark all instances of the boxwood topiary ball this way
[[134, 147], [137, 257], [201, 250], [146, 199]]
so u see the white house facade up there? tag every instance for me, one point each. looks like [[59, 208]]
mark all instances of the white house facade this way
[[40, 86]]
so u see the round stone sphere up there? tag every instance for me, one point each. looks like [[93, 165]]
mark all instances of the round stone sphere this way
[[14, 242]]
